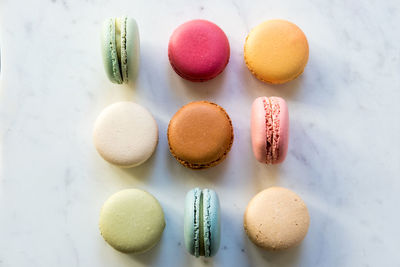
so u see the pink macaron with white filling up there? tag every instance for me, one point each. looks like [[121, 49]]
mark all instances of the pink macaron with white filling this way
[[270, 129]]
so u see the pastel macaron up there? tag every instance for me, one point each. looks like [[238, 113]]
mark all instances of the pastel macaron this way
[[132, 221], [125, 134], [276, 219], [276, 51], [200, 135], [202, 226], [270, 129], [120, 49], [198, 50]]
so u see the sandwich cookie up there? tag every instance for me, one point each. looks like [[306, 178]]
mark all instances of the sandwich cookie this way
[[198, 50], [125, 134], [200, 135], [132, 221], [276, 51], [276, 219], [120, 49], [202, 230], [270, 129]]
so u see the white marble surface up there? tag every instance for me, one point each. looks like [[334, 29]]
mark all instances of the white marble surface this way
[[344, 151]]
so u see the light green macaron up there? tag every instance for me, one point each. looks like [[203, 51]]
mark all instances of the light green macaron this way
[[132, 221], [120, 49]]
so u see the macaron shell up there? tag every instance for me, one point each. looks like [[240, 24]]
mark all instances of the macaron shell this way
[[132, 48], [198, 50], [270, 125], [200, 135], [212, 224], [109, 51], [258, 130], [276, 219], [132, 221], [191, 227], [282, 146], [125, 134], [276, 51]]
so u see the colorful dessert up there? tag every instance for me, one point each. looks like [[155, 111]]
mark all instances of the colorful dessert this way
[[202, 228], [276, 219], [270, 129], [132, 221], [120, 49], [276, 51], [198, 50], [200, 135], [125, 134]]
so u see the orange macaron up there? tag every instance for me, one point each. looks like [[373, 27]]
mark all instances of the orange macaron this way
[[276, 51], [200, 135]]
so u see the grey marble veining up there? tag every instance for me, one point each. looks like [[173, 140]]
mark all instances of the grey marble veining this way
[[344, 151]]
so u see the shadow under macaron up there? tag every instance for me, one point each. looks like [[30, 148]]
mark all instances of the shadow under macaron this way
[[205, 178], [195, 91], [261, 257], [258, 88]]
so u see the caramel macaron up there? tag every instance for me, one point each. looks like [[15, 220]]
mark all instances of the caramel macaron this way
[[276, 219], [276, 51], [200, 135]]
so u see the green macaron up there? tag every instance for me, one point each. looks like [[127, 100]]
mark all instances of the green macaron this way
[[120, 49], [132, 221], [202, 230]]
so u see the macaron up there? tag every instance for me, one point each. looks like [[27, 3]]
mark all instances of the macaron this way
[[120, 49], [270, 129], [132, 221], [276, 219], [202, 227], [276, 51], [125, 134], [200, 135], [198, 50]]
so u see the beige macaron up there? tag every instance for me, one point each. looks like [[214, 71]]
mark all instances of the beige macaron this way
[[276, 219], [125, 134]]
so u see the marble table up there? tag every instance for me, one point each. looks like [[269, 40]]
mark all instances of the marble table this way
[[344, 151]]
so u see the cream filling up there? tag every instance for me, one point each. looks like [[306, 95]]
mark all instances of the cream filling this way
[[120, 40]]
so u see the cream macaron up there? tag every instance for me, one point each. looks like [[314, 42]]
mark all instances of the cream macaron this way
[[276, 219], [125, 134]]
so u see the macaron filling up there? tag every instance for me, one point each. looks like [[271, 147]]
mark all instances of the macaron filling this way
[[272, 127], [197, 221], [124, 57], [207, 222], [114, 52], [118, 51]]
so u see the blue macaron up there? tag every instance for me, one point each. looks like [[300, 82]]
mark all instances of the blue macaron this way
[[202, 226], [120, 49]]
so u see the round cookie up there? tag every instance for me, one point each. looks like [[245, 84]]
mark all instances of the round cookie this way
[[200, 135], [120, 49], [202, 223], [270, 129], [132, 221], [276, 219], [198, 50], [125, 134], [276, 51]]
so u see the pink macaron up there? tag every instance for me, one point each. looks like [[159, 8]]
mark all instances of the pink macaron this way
[[270, 129], [198, 50]]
